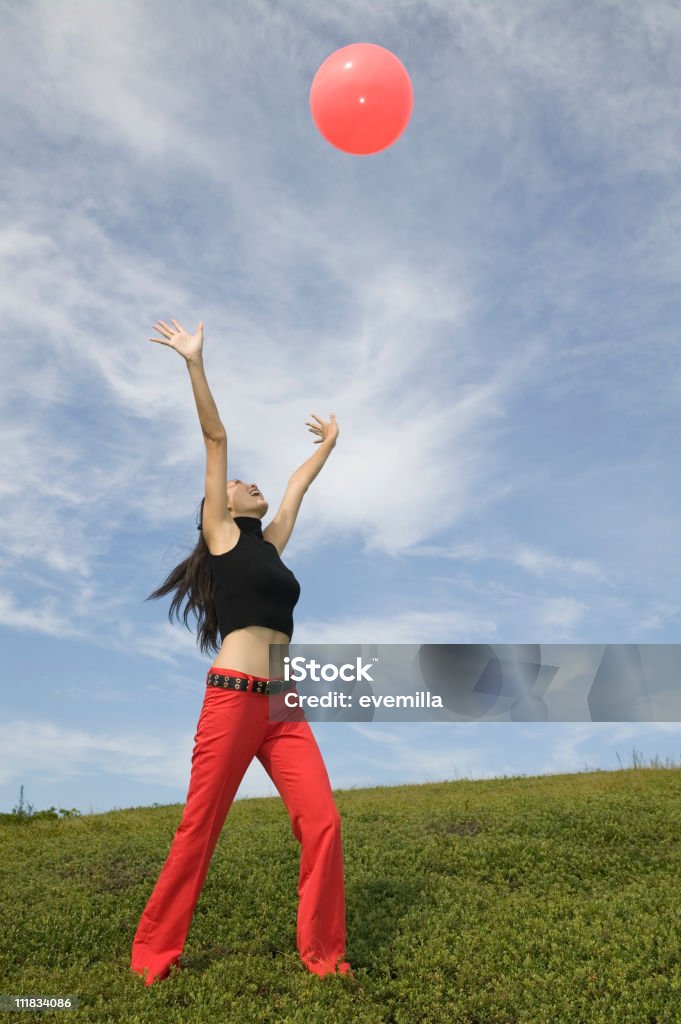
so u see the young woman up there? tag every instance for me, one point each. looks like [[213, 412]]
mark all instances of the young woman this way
[[236, 581]]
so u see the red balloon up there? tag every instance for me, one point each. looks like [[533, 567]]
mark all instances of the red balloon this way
[[361, 98]]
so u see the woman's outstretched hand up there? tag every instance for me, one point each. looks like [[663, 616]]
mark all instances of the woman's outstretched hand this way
[[188, 345], [327, 431]]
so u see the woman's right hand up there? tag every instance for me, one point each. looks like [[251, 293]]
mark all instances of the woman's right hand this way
[[188, 345]]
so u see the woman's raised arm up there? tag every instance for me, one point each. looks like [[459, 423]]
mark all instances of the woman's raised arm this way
[[190, 348]]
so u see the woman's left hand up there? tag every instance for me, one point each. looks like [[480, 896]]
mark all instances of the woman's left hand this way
[[327, 431]]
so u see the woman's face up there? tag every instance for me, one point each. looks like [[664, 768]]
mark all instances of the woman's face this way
[[245, 499]]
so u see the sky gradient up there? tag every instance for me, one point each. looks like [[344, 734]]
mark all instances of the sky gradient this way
[[491, 307]]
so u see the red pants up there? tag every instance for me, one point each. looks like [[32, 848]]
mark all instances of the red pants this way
[[233, 727]]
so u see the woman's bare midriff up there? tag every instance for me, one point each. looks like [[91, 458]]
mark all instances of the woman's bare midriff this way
[[247, 650]]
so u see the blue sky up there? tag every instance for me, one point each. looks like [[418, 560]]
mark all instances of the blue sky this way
[[490, 307]]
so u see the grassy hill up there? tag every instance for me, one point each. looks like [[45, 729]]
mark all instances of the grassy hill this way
[[545, 900]]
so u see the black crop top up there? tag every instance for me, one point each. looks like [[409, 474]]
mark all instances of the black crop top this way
[[251, 584]]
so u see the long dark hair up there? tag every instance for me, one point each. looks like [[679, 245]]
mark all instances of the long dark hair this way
[[193, 579]]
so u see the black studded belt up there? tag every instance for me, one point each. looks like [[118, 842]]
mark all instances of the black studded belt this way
[[248, 683]]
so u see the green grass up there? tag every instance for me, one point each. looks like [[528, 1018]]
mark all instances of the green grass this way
[[524, 900]]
